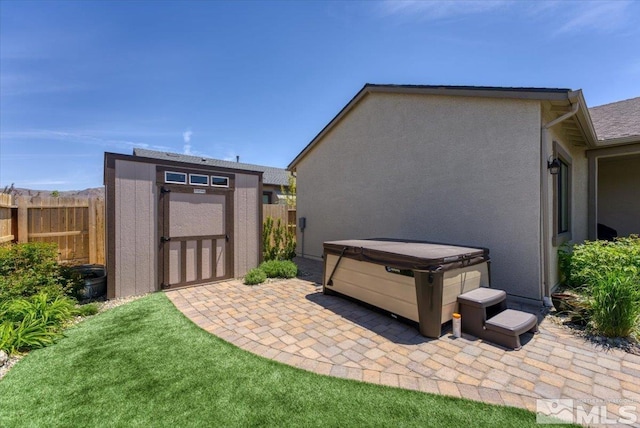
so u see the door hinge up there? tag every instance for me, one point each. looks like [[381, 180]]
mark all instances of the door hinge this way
[[226, 237], [164, 190], [165, 239]]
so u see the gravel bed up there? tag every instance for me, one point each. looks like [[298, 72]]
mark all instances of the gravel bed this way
[[105, 305], [626, 344], [10, 363]]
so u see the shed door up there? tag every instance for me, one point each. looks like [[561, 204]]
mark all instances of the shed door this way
[[196, 236]]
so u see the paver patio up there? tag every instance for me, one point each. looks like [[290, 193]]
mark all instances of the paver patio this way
[[293, 322]]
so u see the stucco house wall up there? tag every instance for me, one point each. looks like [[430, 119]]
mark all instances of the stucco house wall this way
[[461, 170], [274, 192], [579, 198], [619, 194], [614, 168]]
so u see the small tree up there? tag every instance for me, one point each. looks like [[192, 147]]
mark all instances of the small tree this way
[[289, 192], [279, 242]]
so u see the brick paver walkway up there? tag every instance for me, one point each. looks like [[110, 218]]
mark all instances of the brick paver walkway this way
[[293, 322]]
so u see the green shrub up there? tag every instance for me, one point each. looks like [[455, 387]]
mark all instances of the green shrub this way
[[255, 276], [279, 268], [86, 310], [72, 282], [584, 264], [607, 273], [29, 268], [30, 333], [615, 304], [34, 322], [279, 241], [34, 296]]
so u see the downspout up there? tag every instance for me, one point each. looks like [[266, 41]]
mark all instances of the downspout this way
[[301, 225], [544, 195]]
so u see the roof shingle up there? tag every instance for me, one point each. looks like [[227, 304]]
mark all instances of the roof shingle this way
[[617, 120]]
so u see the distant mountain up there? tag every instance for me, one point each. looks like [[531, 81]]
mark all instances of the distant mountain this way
[[95, 192]]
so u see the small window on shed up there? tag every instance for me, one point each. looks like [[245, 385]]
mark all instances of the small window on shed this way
[[217, 181], [175, 177], [198, 180]]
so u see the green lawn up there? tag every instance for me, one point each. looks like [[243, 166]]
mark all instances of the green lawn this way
[[145, 364]]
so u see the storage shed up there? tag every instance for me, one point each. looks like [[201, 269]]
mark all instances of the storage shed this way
[[174, 223]]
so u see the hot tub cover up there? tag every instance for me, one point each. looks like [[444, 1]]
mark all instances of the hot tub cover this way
[[408, 254]]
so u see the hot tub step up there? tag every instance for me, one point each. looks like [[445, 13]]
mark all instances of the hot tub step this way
[[485, 315], [506, 327]]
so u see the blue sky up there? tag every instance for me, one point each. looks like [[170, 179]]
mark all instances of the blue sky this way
[[261, 79]]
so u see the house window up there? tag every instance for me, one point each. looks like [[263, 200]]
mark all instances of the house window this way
[[266, 197], [562, 197], [175, 177], [198, 180], [217, 181]]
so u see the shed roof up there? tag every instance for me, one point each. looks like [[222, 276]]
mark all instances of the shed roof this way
[[617, 120], [271, 175], [528, 93]]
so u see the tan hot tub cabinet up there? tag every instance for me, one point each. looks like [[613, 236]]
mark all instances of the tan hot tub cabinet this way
[[416, 280]]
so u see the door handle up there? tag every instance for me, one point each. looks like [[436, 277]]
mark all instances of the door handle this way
[[226, 238], [165, 239]]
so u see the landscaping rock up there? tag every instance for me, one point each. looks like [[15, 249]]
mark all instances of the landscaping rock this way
[[112, 303], [8, 364], [630, 344], [3, 358]]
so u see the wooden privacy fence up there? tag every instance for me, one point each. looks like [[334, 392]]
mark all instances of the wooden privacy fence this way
[[6, 225], [75, 224], [283, 212]]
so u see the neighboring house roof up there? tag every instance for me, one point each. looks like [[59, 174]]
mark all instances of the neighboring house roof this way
[[619, 120], [543, 94], [271, 175]]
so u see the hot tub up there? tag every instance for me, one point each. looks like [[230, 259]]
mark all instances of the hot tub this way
[[416, 280]]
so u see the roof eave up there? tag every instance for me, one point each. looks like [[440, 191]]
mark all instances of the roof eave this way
[[584, 118], [619, 141], [469, 91], [337, 118]]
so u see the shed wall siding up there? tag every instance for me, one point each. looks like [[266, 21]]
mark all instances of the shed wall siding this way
[[135, 228], [246, 223], [450, 169]]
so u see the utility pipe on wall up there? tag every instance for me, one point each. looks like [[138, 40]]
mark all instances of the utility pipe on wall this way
[[544, 195]]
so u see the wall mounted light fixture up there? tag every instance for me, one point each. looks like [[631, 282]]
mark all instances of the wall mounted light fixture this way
[[554, 165]]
